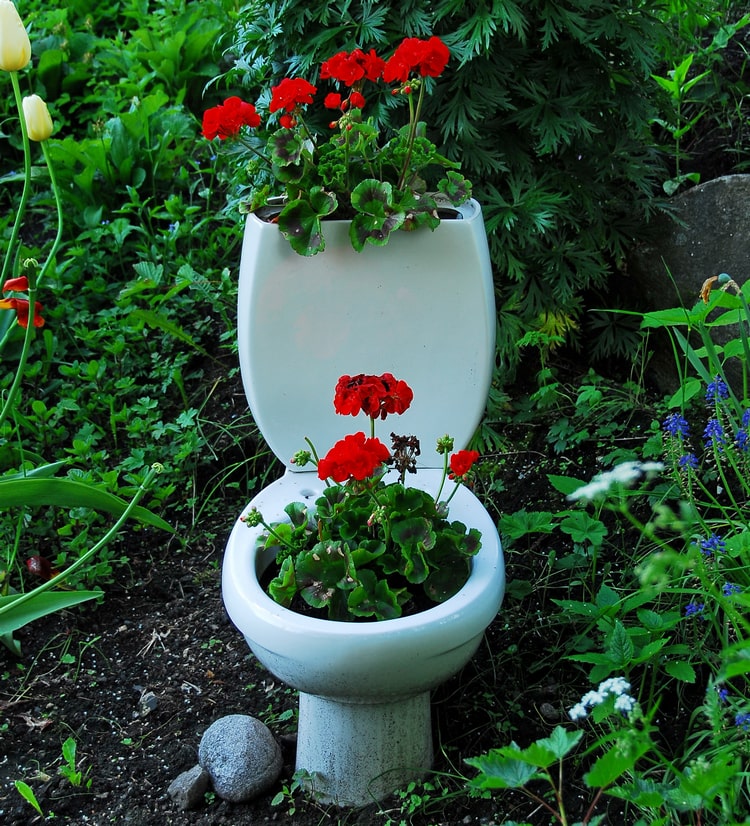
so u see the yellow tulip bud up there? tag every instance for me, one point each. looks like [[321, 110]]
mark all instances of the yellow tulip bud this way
[[15, 48], [38, 120]]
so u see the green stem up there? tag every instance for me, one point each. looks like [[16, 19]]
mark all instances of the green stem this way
[[62, 576], [26, 179], [443, 478], [59, 207], [414, 117], [21, 369], [33, 279]]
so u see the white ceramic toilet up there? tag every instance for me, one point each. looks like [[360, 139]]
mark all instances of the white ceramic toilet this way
[[421, 308]]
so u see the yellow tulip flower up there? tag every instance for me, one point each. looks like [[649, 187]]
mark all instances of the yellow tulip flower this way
[[38, 120], [15, 48]]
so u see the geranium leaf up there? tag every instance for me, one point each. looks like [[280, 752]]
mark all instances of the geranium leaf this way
[[447, 580], [299, 220], [285, 147], [374, 597], [283, 586], [372, 197], [366, 551], [297, 512], [300, 225], [455, 187]]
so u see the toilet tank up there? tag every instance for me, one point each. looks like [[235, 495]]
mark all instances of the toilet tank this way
[[421, 308]]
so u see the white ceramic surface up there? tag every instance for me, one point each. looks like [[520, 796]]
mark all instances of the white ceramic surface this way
[[364, 725], [391, 658], [421, 308]]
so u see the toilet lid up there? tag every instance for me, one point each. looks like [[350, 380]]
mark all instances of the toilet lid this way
[[421, 308]]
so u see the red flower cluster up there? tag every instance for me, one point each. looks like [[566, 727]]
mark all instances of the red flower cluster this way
[[288, 95], [422, 57], [226, 120], [427, 57], [376, 396], [462, 462], [353, 67], [21, 305], [354, 456]]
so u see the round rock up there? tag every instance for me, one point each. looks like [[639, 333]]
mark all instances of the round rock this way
[[241, 755]]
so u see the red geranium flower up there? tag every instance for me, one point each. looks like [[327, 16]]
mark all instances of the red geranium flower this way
[[461, 462], [426, 57], [376, 396], [351, 68], [226, 120], [291, 93], [357, 100], [354, 456], [397, 397], [332, 101]]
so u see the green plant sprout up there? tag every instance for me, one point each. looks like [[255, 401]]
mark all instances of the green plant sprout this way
[[68, 768], [27, 793]]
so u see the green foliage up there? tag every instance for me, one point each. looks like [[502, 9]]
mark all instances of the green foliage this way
[[68, 768], [137, 294], [325, 559], [702, 83]]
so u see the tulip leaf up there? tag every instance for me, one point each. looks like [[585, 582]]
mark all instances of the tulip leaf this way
[[39, 606], [68, 493]]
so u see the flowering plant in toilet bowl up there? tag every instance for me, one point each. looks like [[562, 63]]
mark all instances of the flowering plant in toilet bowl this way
[[345, 167], [371, 548]]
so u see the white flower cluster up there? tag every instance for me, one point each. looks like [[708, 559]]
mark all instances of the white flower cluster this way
[[617, 687], [624, 474]]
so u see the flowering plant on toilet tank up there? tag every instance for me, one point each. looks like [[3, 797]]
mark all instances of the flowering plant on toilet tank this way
[[381, 183], [370, 548]]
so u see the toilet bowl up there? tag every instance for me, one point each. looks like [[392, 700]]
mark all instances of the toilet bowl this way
[[421, 308]]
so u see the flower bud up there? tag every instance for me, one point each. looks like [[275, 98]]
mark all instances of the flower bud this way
[[252, 518], [444, 444], [38, 120], [15, 48]]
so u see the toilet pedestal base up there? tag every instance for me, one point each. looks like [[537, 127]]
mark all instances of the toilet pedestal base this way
[[359, 752]]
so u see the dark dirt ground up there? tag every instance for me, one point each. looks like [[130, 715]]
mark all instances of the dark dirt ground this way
[[137, 679]]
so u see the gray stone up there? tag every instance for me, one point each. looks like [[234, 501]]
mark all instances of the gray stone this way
[[241, 755], [187, 790], [708, 235]]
